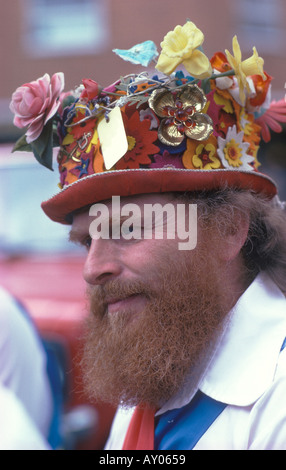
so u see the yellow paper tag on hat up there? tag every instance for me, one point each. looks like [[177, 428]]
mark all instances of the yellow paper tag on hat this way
[[113, 139]]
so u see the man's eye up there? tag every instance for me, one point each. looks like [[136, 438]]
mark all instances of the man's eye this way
[[131, 231], [86, 242]]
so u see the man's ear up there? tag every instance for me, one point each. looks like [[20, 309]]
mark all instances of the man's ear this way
[[235, 236]]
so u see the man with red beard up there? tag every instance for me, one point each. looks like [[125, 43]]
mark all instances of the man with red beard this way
[[168, 329], [188, 342]]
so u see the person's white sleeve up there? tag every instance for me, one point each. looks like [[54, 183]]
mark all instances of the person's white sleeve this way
[[17, 430], [23, 362]]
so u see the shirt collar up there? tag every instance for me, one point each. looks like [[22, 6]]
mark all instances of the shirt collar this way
[[244, 360], [244, 364]]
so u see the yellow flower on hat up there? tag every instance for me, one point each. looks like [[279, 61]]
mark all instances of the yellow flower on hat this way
[[201, 155], [233, 150], [242, 69], [181, 47]]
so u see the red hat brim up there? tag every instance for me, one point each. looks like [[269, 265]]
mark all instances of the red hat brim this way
[[130, 182]]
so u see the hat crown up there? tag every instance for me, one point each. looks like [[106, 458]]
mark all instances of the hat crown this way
[[192, 114]]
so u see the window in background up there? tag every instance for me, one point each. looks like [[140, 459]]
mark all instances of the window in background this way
[[261, 23], [65, 27], [24, 184]]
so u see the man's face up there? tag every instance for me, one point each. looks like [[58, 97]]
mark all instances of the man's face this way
[[130, 245], [153, 309]]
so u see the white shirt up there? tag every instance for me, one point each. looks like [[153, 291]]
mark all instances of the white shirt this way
[[247, 372], [17, 430], [23, 363]]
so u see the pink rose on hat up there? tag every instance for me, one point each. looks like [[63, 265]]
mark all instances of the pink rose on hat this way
[[35, 103]]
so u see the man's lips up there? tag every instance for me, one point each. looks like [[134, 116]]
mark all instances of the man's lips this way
[[135, 302]]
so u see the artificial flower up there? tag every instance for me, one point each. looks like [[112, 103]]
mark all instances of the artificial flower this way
[[91, 89], [214, 111], [229, 112], [234, 90], [233, 150], [242, 69], [222, 82], [219, 62], [262, 88], [223, 100], [148, 114], [167, 160], [181, 79], [182, 114], [35, 103], [140, 142], [141, 54], [271, 119], [250, 128], [221, 67], [201, 155], [82, 168], [181, 46]]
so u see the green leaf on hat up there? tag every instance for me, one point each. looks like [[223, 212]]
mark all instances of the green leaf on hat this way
[[55, 136], [206, 85], [22, 145], [43, 147]]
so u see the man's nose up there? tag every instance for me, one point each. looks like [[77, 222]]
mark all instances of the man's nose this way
[[102, 263]]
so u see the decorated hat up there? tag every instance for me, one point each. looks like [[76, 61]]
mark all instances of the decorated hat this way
[[188, 124]]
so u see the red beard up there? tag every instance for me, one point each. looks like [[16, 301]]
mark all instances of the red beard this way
[[148, 358]]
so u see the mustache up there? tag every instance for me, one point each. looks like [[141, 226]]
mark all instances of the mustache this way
[[119, 290]]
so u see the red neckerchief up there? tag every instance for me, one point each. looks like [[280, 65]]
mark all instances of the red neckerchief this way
[[140, 433]]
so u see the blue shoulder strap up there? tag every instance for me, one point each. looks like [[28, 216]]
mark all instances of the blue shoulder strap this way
[[181, 429]]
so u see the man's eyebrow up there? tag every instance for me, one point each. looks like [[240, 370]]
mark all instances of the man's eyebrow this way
[[75, 235]]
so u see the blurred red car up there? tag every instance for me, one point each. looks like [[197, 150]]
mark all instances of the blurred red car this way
[[44, 272]]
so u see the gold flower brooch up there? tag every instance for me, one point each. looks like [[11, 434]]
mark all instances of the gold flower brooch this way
[[182, 114]]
